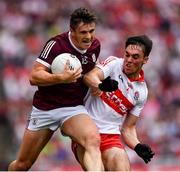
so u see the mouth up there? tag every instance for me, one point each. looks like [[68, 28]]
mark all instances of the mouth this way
[[128, 67], [87, 42]]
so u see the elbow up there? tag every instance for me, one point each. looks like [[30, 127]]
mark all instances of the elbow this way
[[123, 131], [86, 79], [32, 81]]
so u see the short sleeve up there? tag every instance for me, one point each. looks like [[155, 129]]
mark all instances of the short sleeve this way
[[140, 104], [49, 52], [107, 65]]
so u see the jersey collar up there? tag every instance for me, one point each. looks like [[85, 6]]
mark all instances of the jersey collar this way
[[140, 78]]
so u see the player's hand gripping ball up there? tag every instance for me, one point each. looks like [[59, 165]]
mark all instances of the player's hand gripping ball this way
[[59, 62]]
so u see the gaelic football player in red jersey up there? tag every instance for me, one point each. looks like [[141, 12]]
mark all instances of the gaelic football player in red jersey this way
[[58, 102], [119, 110]]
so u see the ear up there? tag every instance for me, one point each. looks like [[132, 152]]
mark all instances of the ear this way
[[145, 60], [71, 31]]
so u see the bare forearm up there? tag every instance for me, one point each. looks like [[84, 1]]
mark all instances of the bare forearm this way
[[93, 78], [44, 78], [130, 137], [41, 75], [91, 81]]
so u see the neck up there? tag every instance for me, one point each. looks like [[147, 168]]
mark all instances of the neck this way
[[138, 76], [133, 75]]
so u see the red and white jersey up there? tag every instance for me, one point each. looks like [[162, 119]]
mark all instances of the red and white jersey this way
[[110, 108]]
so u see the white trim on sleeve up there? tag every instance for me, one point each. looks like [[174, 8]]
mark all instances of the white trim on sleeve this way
[[43, 62]]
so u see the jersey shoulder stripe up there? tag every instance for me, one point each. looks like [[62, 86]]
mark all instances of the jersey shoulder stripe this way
[[47, 49]]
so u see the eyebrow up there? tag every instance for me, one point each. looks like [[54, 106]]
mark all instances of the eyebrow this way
[[136, 55], [131, 53], [88, 30]]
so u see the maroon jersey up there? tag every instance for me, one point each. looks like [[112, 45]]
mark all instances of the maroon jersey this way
[[64, 95]]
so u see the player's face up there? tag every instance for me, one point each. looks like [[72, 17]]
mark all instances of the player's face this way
[[133, 60], [83, 35]]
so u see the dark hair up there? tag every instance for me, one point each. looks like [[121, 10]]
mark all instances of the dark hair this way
[[82, 15], [141, 40]]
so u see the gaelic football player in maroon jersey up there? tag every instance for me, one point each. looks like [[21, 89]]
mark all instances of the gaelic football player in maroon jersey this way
[[58, 102]]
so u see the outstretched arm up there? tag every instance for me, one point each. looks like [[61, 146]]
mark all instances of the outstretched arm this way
[[128, 131], [93, 78], [129, 135]]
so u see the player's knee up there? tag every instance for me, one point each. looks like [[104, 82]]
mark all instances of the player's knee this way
[[116, 163], [92, 140], [23, 165]]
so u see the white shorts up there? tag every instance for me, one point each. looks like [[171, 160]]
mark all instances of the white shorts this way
[[52, 119]]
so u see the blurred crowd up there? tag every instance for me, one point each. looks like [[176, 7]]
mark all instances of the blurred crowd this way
[[25, 26]]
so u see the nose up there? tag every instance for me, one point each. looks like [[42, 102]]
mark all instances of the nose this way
[[130, 59], [88, 35]]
